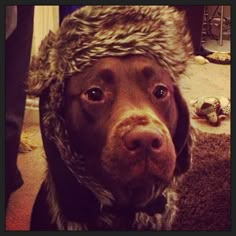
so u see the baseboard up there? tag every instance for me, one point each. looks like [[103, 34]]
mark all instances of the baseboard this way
[[31, 111]]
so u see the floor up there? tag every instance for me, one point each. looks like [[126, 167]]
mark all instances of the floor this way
[[199, 80]]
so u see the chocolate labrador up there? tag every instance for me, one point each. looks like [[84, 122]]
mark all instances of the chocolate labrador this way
[[116, 136]]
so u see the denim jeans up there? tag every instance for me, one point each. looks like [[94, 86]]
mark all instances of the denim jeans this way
[[17, 59]]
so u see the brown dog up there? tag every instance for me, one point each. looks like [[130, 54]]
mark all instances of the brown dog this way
[[116, 140], [123, 114]]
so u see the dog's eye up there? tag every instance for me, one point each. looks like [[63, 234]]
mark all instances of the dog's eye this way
[[160, 91], [95, 94]]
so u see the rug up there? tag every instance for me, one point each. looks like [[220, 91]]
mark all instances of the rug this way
[[205, 193]]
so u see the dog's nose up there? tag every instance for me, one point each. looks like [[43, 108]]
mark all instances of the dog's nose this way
[[143, 139]]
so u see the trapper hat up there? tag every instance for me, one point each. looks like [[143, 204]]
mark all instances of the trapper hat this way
[[94, 32], [85, 36]]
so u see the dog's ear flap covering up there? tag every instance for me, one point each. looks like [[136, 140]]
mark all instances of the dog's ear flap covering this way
[[41, 72], [182, 138]]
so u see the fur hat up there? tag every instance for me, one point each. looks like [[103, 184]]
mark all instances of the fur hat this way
[[91, 33], [94, 32]]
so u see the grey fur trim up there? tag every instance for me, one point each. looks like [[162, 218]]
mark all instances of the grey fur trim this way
[[163, 221]]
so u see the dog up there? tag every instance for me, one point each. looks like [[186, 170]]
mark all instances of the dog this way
[[114, 124]]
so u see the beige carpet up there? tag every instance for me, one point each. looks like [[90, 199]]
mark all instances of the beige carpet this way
[[32, 166]]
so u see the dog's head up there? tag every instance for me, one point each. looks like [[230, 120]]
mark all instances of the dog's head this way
[[127, 117], [109, 105]]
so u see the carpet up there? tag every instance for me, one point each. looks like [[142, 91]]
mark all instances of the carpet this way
[[205, 193]]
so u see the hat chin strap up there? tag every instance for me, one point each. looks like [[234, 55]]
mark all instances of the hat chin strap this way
[[108, 215], [113, 216], [149, 217]]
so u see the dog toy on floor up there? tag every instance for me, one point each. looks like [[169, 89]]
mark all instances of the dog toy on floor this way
[[212, 108], [219, 58], [26, 144]]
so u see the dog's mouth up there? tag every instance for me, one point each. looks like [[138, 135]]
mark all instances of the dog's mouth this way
[[140, 192], [139, 195]]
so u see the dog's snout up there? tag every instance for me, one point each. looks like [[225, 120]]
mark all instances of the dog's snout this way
[[143, 139]]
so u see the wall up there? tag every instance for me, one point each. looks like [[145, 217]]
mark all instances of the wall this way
[[45, 18], [211, 10]]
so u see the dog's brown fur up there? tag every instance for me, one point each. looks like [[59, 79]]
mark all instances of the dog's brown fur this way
[[115, 145], [103, 124]]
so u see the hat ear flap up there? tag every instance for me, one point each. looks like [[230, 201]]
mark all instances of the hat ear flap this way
[[40, 74], [182, 138]]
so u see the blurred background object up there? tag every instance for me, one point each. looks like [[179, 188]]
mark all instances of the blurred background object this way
[[216, 29]]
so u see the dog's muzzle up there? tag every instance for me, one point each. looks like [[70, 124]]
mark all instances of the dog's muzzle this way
[[139, 154]]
